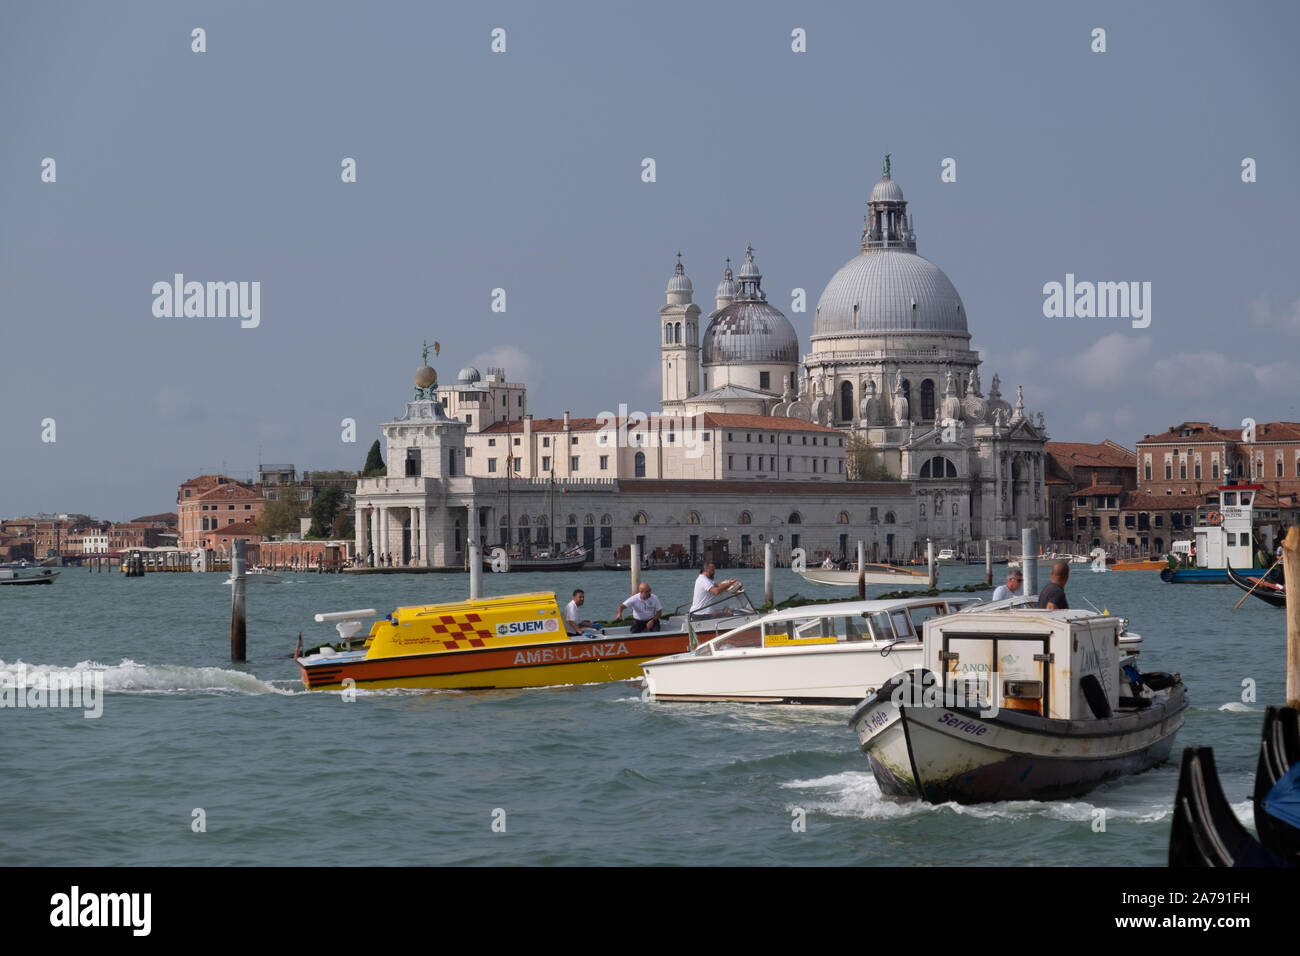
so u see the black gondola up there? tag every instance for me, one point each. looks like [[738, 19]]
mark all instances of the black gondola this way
[[1268, 591], [1206, 831]]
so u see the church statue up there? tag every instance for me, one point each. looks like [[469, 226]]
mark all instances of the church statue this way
[[901, 410], [867, 407], [974, 387]]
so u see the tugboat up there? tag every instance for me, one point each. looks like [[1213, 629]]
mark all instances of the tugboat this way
[[1019, 705], [1221, 537]]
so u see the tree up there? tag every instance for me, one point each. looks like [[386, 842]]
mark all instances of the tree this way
[[862, 462], [374, 467], [280, 515], [343, 526], [324, 509], [82, 522]]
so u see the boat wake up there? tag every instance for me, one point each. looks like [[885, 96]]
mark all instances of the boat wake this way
[[856, 794], [1237, 707], [128, 677]]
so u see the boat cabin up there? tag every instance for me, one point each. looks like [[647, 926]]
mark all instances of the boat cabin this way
[[1059, 664], [1224, 531], [884, 622]]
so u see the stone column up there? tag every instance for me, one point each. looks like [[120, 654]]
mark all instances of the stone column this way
[[360, 532], [417, 554], [426, 556], [383, 531], [373, 520]]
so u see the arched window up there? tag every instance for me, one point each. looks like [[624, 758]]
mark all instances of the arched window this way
[[573, 519], [589, 520], [846, 402], [745, 518], [794, 518], [605, 519], [889, 517], [640, 464], [844, 517], [641, 518], [938, 467], [668, 333], [927, 400], [693, 518], [677, 333], [523, 521], [907, 392]]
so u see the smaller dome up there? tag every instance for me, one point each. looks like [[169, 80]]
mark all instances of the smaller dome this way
[[887, 191], [727, 288], [679, 281], [750, 269], [468, 375]]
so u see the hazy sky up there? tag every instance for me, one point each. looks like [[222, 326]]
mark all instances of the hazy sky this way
[[522, 170]]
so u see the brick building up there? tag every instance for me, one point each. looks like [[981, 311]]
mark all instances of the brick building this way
[[212, 502]]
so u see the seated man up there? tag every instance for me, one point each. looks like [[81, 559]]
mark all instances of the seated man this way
[[573, 621], [704, 599], [646, 610], [1009, 589]]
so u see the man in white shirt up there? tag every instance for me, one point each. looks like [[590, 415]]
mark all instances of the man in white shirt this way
[[645, 608], [573, 621], [706, 590], [1008, 590]]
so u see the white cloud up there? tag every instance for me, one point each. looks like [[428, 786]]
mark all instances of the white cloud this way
[[1111, 360], [1287, 320], [519, 365]]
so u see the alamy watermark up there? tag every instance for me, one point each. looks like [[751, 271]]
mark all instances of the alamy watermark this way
[[179, 299], [653, 430], [981, 691], [82, 689], [1098, 300]]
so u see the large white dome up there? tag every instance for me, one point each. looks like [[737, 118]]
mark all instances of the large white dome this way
[[888, 290]]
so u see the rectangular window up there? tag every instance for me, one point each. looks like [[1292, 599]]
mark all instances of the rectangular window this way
[[1082, 502], [771, 466], [546, 463], [469, 419], [604, 462], [519, 464], [731, 462], [1169, 471], [492, 464], [1279, 468], [469, 452], [765, 381], [748, 437], [1214, 468], [1197, 470], [749, 463], [573, 463], [1148, 471], [492, 442], [546, 441], [516, 441], [708, 436]]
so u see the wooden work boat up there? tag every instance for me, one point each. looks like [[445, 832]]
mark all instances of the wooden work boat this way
[[887, 574]]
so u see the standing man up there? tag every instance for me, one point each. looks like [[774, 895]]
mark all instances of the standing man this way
[[645, 608], [573, 622], [1052, 596], [705, 589], [1008, 590]]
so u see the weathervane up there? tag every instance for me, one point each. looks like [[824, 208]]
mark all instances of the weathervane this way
[[426, 379]]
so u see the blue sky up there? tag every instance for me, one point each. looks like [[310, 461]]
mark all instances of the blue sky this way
[[522, 171]]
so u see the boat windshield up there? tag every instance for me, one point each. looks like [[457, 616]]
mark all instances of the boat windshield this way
[[923, 613]]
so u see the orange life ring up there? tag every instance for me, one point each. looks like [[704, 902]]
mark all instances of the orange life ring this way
[[1214, 518]]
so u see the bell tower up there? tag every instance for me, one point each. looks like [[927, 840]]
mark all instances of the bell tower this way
[[679, 337]]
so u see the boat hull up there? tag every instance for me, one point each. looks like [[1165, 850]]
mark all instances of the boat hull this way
[[942, 754], [618, 656], [833, 674], [900, 578], [1266, 591], [30, 576]]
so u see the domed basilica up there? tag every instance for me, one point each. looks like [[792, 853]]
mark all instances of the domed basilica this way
[[890, 364]]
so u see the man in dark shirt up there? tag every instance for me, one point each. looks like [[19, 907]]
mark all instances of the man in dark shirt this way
[[1052, 596]]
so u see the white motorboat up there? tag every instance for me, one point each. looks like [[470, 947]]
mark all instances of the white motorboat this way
[[1019, 704], [888, 575], [22, 572], [833, 653], [948, 556], [259, 573]]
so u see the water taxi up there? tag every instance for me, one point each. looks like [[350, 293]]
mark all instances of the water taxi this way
[[516, 640], [833, 653], [1019, 705], [21, 572]]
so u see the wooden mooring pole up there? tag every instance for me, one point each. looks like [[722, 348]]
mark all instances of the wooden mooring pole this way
[[768, 592], [862, 571], [634, 566], [1291, 574], [238, 616], [988, 563]]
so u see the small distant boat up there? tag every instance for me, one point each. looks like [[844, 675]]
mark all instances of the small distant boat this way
[[1270, 592], [887, 574], [1019, 705], [1141, 564], [574, 560], [21, 572], [947, 556], [1206, 831]]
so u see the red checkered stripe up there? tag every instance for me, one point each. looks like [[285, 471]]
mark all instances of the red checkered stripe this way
[[462, 626]]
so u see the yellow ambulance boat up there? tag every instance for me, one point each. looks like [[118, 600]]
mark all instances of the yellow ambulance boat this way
[[518, 640]]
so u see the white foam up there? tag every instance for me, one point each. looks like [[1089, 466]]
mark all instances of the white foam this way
[[1237, 707], [128, 677], [856, 794]]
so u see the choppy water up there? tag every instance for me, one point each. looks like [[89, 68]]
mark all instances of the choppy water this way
[[584, 775]]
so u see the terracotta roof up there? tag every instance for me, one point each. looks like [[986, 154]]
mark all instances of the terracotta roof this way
[[1141, 501], [1099, 490], [710, 420], [690, 486], [1205, 432], [1098, 455], [229, 492], [167, 517], [204, 482]]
